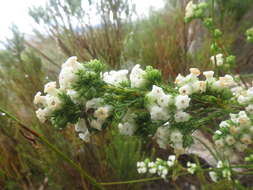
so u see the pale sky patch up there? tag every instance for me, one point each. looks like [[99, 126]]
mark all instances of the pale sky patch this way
[[16, 12]]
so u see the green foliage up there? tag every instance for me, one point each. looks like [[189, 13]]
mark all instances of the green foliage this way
[[249, 35], [68, 113], [124, 162], [153, 76], [237, 8], [89, 84], [95, 65]]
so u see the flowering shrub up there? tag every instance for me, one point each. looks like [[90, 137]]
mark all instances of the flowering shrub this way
[[139, 103]]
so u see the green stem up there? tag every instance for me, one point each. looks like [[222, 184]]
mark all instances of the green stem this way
[[57, 151], [131, 181]]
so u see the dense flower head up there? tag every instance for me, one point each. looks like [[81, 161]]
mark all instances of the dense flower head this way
[[138, 103]]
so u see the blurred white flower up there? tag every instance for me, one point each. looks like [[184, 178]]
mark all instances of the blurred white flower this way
[[127, 128], [182, 102], [38, 99], [42, 114], [181, 116], [103, 112], [115, 77], [189, 9], [137, 77], [217, 59], [50, 88]]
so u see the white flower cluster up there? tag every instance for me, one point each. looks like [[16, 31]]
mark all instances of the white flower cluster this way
[[194, 10], [137, 77], [101, 113], [165, 137], [159, 104], [128, 125], [217, 59], [82, 130], [51, 101], [191, 167], [236, 133], [68, 73], [115, 77], [191, 84], [159, 167], [189, 9], [245, 97], [223, 172]]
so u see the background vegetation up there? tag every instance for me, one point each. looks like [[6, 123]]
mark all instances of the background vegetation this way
[[161, 39]]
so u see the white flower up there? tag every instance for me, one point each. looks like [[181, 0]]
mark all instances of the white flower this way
[[72, 63], [93, 103], [220, 164], [127, 128], [164, 173], [158, 113], [80, 126], [217, 84], [237, 90], [162, 136], [189, 9], [137, 77], [96, 124], [208, 75], [227, 81], [103, 112], [165, 100], [73, 95], [182, 102], [246, 139], [53, 102], [115, 77], [156, 92], [179, 80], [219, 143], [243, 119], [181, 116], [171, 160], [199, 86], [38, 99], [82, 129], [50, 88], [213, 175], [230, 140], [42, 114], [226, 173], [66, 77], [224, 124], [141, 167], [249, 108], [243, 99], [240, 147], [195, 71], [152, 168], [176, 136], [85, 136], [192, 167], [250, 92], [218, 59], [185, 90], [234, 130], [218, 132]]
